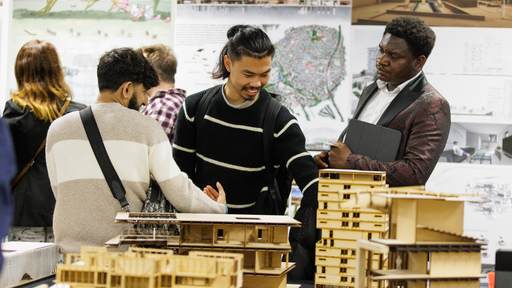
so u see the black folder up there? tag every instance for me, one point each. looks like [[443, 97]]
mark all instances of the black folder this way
[[375, 141]]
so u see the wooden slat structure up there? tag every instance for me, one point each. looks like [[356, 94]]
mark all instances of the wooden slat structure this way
[[152, 268], [261, 239], [376, 236]]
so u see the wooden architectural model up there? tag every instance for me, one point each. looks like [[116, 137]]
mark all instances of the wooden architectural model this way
[[343, 220], [427, 248], [149, 268], [374, 236], [262, 239]]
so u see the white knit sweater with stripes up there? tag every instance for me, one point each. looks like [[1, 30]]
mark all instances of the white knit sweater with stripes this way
[[137, 146]]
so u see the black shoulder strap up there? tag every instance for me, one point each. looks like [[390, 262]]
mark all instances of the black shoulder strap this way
[[268, 149], [94, 136], [203, 105]]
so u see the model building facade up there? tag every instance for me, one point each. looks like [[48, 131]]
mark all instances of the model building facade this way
[[344, 217], [374, 236], [261, 239], [427, 248], [149, 268]]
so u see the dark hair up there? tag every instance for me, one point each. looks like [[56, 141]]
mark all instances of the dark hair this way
[[40, 80], [121, 65], [163, 60], [243, 40], [419, 36]]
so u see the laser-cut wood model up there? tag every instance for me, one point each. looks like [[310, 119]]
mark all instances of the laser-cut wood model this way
[[262, 239], [148, 268], [357, 214], [343, 221], [427, 248]]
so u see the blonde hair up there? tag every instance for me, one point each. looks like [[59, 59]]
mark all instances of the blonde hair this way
[[163, 60], [40, 80]]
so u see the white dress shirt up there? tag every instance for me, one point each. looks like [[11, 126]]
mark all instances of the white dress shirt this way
[[378, 103]]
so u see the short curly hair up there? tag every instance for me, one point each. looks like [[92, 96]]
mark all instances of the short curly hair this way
[[121, 65], [419, 36]]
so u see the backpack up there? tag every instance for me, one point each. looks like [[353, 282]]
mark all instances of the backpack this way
[[279, 181]]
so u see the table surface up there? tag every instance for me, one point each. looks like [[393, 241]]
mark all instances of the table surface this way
[[49, 281]]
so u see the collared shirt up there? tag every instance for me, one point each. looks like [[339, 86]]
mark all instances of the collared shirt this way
[[381, 100], [164, 107]]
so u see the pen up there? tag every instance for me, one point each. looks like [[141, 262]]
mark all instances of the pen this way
[[331, 144]]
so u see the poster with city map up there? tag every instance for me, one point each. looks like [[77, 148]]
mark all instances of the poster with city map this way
[[309, 69]]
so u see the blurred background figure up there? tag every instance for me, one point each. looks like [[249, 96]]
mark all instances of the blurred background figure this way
[[42, 97], [7, 172], [459, 152], [165, 100]]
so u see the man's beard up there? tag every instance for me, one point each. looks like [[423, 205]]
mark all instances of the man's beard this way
[[132, 104]]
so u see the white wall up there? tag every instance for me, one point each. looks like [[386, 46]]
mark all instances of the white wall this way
[[4, 25]]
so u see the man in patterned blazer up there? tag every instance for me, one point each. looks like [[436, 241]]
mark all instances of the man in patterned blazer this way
[[403, 100], [400, 99]]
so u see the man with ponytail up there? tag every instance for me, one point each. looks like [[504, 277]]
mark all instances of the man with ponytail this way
[[228, 143]]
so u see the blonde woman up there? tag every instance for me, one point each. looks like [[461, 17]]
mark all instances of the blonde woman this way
[[42, 97]]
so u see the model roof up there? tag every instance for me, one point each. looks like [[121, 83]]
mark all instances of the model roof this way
[[194, 218]]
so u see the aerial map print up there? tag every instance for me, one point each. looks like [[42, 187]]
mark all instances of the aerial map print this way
[[307, 69]]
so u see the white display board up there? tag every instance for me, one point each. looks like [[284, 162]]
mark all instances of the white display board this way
[[4, 40], [489, 221]]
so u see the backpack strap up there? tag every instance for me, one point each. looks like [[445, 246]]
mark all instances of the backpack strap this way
[[203, 105], [100, 152], [268, 151]]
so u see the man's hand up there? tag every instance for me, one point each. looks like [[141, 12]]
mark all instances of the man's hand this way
[[338, 155], [219, 197], [319, 160]]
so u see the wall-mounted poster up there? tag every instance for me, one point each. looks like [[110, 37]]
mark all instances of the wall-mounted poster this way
[[472, 71], [487, 220], [271, 2], [83, 30], [309, 69], [451, 13]]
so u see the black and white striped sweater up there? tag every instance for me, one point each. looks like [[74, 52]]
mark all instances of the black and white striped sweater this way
[[229, 150]]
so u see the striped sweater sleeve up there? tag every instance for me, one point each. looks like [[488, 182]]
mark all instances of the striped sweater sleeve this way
[[291, 148], [184, 145]]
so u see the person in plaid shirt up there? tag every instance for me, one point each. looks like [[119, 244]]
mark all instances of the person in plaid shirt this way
[[165, 100]]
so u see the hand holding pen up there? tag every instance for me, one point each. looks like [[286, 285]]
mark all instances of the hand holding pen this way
[[335, 158]]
